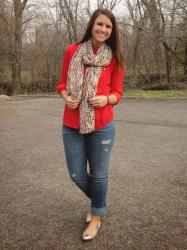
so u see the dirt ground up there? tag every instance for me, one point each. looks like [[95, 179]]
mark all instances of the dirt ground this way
[[40, 208]]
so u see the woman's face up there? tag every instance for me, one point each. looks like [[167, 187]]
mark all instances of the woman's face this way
[[101, 30]]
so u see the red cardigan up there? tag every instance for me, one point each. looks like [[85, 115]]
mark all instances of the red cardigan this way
[[110, 82]]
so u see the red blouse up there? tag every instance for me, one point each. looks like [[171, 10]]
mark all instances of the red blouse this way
[[110, 82]]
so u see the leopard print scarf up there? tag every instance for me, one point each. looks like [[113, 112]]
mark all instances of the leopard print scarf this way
[[83, 86]]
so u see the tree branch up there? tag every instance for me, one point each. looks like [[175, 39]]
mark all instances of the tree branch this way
[[27, 20]]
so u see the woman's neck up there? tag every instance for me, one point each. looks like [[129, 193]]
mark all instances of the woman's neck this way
[[96, 45]]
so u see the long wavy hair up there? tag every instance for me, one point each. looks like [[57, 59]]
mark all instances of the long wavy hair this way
[[113, 40]]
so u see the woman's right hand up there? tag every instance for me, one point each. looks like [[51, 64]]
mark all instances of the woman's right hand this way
[[70, 101]]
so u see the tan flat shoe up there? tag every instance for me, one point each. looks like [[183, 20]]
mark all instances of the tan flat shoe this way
[[87, 236], [88, 217]]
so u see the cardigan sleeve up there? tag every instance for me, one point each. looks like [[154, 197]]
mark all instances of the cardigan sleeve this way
[[65, 65], [117, 78]]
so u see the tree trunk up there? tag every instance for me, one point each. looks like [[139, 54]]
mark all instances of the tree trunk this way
[[154, 15], [168, 66], [16, 51], [185, 60], [17, 45]]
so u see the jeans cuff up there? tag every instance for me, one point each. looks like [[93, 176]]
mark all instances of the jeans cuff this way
[[98, 211]]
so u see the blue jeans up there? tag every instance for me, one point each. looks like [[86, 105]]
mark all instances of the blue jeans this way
[[95, 149]]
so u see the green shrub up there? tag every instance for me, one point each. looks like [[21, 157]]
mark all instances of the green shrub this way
[[25, 78], [5, 73]]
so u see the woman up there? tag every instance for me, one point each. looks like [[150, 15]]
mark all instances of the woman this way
[[91, 83]]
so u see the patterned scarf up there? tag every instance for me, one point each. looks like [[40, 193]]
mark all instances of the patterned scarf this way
[[85, 87]]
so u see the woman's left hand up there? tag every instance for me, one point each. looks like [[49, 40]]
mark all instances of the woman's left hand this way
[[99, 101]]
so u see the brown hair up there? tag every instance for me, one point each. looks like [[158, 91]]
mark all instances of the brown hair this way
[[113, 40]]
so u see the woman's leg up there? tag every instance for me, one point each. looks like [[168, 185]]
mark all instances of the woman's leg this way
[[75, 152], [99, 145]]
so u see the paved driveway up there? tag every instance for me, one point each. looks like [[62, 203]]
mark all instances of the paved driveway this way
[[40, 208]]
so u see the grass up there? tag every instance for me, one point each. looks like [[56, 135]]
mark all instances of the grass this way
[[156, 93]]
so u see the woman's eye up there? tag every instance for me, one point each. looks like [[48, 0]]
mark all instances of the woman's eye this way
[[107, 26]]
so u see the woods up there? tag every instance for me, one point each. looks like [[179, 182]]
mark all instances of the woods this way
[[34, 35]]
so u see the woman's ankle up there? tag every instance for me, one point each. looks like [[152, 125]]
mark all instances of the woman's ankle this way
[[96, 218]]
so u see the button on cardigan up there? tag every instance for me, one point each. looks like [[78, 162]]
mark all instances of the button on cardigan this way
[[110, 82]]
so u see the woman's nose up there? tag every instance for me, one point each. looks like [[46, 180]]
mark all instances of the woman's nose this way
[[103, 28]]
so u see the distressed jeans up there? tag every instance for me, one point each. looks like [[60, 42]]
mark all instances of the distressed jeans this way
[[87, 158]]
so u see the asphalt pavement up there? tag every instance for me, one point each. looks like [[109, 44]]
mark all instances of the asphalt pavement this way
[[40, 207]]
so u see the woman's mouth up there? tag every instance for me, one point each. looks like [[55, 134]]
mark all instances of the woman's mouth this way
[[101, 34]]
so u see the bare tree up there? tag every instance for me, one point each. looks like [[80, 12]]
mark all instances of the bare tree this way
[[106, 4], [139, 20], [19, 7], [158, 23], [154, 16], [5, 39], [153, 35], [69, 12]]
